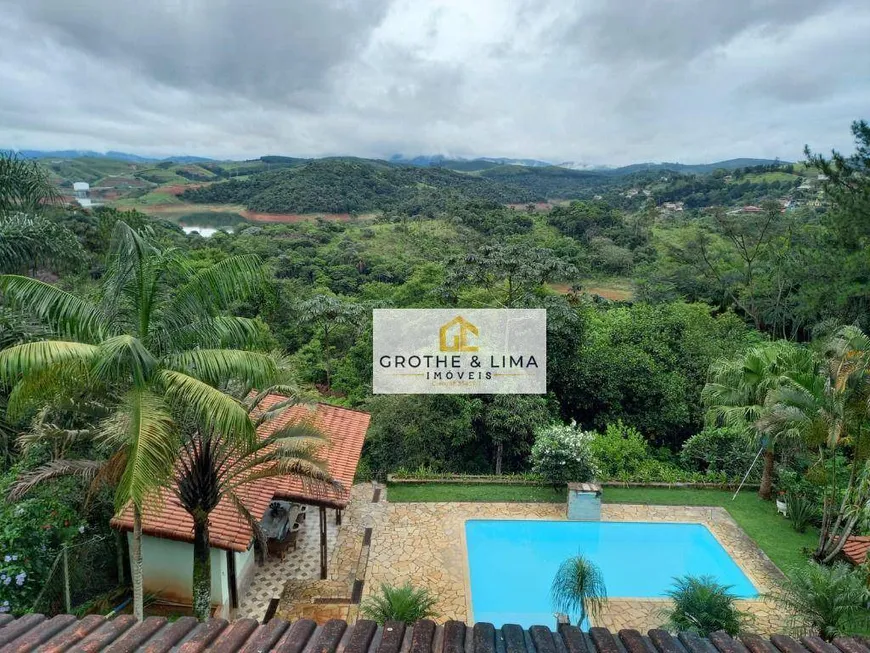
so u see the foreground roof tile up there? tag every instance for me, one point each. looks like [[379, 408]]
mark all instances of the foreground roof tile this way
[[156, 635]]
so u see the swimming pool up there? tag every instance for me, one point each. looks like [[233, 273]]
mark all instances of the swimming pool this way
[[512, 563]]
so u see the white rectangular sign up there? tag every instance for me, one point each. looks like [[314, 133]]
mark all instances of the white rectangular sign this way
[[459, 351]]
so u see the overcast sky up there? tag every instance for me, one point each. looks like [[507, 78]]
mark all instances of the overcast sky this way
[[598, 81]]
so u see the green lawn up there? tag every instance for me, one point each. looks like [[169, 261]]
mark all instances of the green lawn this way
[[758, 518], [773, 534], [404, 493]]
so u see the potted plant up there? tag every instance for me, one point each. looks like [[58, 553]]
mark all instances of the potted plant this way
[[781, 504]]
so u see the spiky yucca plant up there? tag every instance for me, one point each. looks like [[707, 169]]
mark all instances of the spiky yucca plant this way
[[702, 605], [405, 604], [578, 588]]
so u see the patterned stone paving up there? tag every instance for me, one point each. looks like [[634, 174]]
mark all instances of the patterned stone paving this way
[[302, 564], [315, 598], [425, 543]]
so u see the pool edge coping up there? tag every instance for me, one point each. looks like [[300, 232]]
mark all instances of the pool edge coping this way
[[761, 592]]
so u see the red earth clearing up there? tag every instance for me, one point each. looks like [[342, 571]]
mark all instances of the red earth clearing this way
[[292, 217]]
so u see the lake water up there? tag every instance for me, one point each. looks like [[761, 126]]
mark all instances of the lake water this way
[[512, 563], [205, 232]]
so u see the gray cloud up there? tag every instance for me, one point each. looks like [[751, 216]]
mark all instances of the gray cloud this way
[[271, 49], [582, 80]]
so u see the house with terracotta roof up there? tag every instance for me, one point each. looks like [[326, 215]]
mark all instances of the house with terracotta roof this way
[[167, 529]]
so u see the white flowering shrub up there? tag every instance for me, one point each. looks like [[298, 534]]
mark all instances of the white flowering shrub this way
[[561, 454]]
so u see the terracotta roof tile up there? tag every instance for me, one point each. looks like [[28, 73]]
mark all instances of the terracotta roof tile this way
[[856, 548], [220, 636], [345, 430]]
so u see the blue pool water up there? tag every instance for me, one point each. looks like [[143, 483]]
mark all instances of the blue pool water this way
[[512, 563]]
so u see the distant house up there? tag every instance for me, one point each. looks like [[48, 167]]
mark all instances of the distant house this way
[[751, 209], [822, 177], [81, 191]]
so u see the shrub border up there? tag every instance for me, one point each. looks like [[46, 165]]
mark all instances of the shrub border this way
[[483, 479]]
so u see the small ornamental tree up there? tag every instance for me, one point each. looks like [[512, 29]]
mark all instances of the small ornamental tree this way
[[561, 454]]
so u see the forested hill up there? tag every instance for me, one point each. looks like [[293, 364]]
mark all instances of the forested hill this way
[[345, 186], [341, 186]]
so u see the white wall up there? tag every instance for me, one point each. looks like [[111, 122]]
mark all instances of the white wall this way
[[246, 565], [167, 570]]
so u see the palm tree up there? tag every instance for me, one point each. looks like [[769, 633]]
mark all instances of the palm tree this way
[[827, 601], [828, 410], [25, 186], [702, 605], [578, 588], [152, 347], [736, 394], [213, 466], [406, 604]]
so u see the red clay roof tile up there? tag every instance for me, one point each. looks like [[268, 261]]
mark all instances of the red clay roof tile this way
[[345, 430], [856, 548]]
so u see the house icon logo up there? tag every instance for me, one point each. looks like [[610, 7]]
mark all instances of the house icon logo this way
[[454, 336]]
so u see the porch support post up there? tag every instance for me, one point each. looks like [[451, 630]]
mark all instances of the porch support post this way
[[338, 516], [322, 542]]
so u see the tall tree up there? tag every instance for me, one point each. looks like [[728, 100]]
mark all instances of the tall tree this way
[[734, 254], [25, 186], [154, 344], [509, 274], [830, 411], [327, 312], [510, 421], [737, 395], [214, 466], [847, 183]]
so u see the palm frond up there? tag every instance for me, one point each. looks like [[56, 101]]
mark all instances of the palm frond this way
[[42, 432], [405, 604], [218, 366], [222, 331], [152, 446], [57, 383], [253, 521], [24, 185], [33, 241], [33, 357], [216, 287], [213, 410], [122, 357], [85, 469], [69, 316]]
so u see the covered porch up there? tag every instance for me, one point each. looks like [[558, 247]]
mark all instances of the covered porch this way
[[302, 518]]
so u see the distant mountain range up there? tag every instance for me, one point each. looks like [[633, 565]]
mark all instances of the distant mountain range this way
[[426, 160], [482, 163], [90, 154]]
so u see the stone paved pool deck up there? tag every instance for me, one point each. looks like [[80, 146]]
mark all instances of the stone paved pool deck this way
[[424, 543]]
